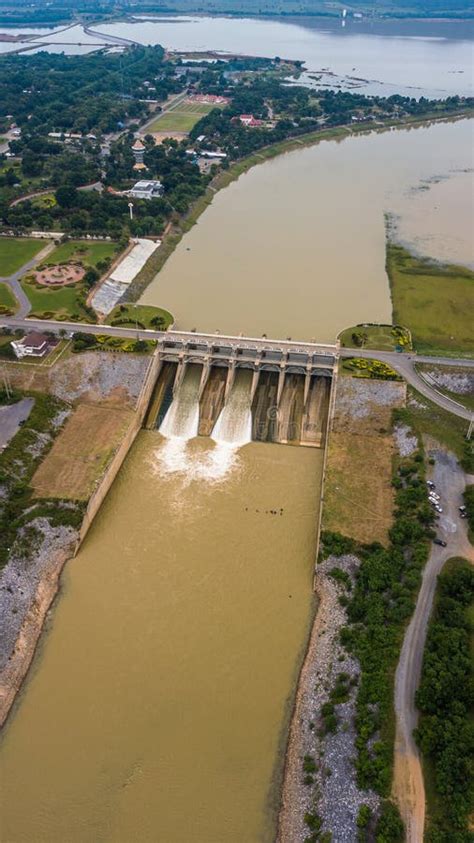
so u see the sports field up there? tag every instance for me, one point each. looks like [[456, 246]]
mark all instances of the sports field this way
[[182, 118]]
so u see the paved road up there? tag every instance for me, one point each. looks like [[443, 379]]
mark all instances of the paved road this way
[[13, 282], [404, 364], [408, 776]]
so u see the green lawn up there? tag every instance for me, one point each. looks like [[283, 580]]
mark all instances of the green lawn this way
[[8, 301], [436, 301], [175, 121], [378, 337], [88, 253], [128, 315], [65, 303], [16, 251]]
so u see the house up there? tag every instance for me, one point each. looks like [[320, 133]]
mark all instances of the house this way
[[146, 190], [33, 345], [250, 121]]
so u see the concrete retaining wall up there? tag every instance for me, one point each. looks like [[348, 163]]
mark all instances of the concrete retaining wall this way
[[97, 498]]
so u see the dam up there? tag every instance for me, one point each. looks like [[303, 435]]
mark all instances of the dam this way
[[281, 388]]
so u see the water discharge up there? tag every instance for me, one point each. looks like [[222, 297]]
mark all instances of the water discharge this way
[[234, 425], [182, 419]]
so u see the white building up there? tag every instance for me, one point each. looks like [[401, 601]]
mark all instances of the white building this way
[[146, 190], [33, 345]]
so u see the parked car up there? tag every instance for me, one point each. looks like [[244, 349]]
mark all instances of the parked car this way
[[430, 484], [440, 542]]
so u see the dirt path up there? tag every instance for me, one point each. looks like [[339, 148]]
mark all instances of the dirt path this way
[[408, 787]]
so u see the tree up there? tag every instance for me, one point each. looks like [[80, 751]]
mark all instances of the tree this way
[[66, 196]]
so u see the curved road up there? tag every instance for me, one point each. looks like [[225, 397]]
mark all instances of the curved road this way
[[404, 364], [408, 787]]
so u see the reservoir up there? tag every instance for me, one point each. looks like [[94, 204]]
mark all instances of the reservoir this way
[[158, 703], [413, 58], [296, 246]]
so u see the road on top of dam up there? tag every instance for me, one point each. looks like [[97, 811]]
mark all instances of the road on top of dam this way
[[404, 364]]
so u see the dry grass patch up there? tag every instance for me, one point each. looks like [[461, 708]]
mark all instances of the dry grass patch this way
[[358, 498], [81, 452]]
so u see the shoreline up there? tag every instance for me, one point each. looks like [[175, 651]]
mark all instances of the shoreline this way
[[174, 233], [15, 671]]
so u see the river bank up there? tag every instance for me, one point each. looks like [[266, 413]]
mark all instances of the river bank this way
[[39, 593], [30, 582], [174, 233]]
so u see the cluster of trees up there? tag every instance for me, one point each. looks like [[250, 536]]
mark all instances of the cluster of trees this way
[[295, 110], [446, 731], [378, 607], [92, 93]]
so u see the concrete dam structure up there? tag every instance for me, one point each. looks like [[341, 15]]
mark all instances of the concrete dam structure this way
[[237, 389]]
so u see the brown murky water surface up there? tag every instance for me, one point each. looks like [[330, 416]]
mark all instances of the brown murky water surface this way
[[296, 247], [157, 704]]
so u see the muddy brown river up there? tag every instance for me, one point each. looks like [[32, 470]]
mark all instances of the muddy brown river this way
[[158, 703]]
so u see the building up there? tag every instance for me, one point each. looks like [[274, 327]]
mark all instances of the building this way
[[146, 190], [250, 121], [138, 150], [33, 345]]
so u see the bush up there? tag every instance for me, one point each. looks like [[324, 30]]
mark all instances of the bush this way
[[389, 828]]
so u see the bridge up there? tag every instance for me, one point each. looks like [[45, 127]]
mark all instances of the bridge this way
[[258, 354], [404, 364]]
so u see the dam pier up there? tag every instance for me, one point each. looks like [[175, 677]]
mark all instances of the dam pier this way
[[282, 387]]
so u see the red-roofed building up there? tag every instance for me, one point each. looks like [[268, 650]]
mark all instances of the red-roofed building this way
[[250, 121]]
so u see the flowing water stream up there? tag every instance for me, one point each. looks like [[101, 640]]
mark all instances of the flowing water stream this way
[[159, 699]]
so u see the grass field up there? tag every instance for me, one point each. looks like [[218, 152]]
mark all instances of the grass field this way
[[129, 315], [358, 498], [358, 495], [16, 251], [81, 452], [67, 302], [7, 299], [436, 301], [180, 119], [378, 337], [88, 253]]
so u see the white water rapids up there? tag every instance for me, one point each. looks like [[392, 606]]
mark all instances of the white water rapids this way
[[232, 431]]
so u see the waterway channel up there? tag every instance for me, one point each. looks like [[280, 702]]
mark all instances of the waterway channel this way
[[157, 706]]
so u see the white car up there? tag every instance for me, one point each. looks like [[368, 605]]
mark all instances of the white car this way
[[438, 508]]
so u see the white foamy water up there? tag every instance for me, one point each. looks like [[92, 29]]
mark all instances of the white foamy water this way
[[213, 459], [182, 418], [177, 456], [234, 425]]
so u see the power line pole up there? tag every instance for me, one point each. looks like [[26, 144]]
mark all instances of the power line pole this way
[[6, 383]]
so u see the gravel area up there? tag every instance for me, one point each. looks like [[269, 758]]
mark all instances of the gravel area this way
[[462, 383], [20, 579], [334, 794], [405, 441], [99, 376], [357, 395]]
